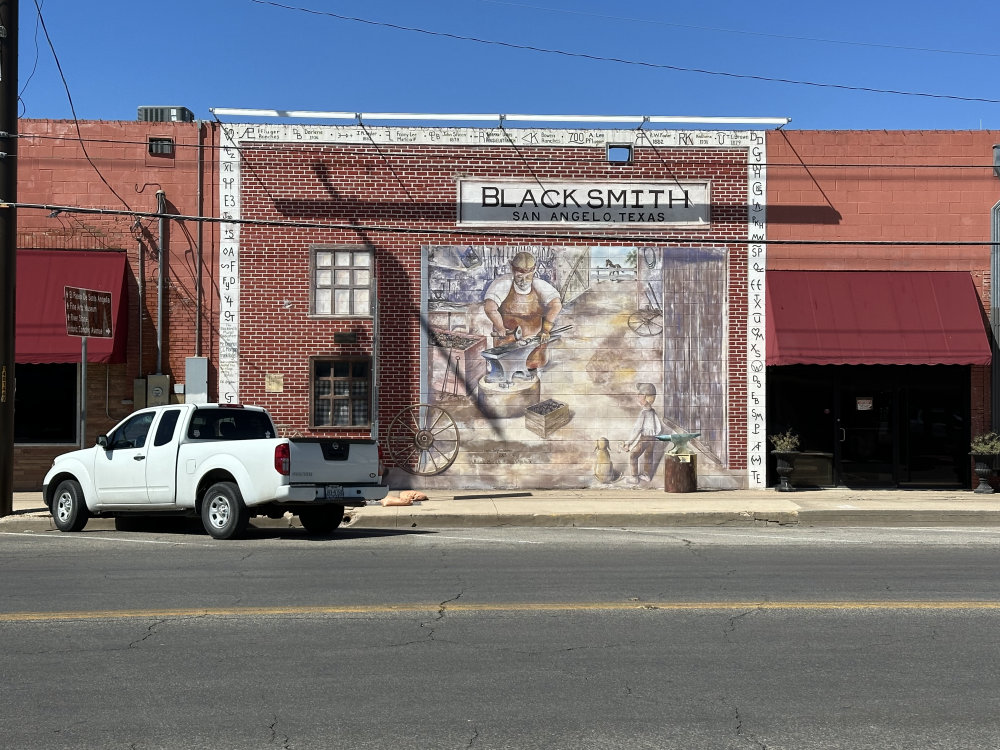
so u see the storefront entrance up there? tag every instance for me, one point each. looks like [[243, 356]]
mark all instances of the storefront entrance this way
[[874, 425]]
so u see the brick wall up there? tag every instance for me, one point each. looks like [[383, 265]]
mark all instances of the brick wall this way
[[888, 186], [105, 165], [414, 187]]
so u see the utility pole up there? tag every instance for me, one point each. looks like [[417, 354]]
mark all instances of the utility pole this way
[[8, 245]]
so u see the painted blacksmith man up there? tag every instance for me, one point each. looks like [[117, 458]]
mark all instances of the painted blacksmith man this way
[[521, 300]]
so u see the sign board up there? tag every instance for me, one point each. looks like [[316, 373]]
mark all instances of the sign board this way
[[88, 312], [597, 204]]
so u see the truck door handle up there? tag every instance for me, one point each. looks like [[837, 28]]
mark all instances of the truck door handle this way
[[138, 458], [843, 435]]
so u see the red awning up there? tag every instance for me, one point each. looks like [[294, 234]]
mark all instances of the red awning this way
[[40, 325], [874, 318]]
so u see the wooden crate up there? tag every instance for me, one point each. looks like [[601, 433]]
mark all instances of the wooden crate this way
[[457, 362], [546, 417]]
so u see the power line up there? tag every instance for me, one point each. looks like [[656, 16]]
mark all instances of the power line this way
[[625, 61], [505, 235], [69, 97], [34, 66], [259, 179], [544, 159], [743, 32]]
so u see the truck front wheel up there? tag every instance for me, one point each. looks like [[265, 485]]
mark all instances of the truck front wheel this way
[[223, 512], [69, 510], [322, 519]]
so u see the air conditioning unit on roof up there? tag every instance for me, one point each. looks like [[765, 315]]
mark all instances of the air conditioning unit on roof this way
[[165, 114]]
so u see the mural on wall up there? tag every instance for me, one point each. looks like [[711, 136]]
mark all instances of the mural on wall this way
[[547, 366]]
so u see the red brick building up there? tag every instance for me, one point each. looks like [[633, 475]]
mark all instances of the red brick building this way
[[355, 280], [374, 255], [109, 169], [901, 411]]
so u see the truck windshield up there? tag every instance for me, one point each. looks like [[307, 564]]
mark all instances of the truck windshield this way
[[230, 424]]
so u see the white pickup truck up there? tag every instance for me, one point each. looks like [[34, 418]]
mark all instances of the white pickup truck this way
[[222, 462]]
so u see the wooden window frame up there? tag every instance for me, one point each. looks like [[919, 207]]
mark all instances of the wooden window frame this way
[[334, 398]]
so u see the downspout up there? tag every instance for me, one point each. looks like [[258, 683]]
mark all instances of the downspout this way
[[142, 301], [376, 371], [201, 235], [161, 208], [995, 318]]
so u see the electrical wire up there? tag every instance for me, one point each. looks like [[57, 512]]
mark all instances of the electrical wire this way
[[743, 32], [520, 157], [517, 151], [386, 161], [69, 97], [34, 66], [506, 235], [663, 161], [626, 61], [245, 163]]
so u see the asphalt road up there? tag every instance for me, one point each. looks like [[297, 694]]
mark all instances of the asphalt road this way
[[502, 638]]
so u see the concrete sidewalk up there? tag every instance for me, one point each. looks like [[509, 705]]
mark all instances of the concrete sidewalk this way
[[631, 508]]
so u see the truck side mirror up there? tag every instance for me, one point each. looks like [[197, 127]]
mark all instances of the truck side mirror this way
[[102, 440]]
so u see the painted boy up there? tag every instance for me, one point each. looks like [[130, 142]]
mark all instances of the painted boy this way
[[642, 441]]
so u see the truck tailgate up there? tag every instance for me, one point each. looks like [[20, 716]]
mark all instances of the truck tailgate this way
[[343, 461]]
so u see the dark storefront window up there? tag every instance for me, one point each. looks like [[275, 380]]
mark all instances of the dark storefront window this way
[[45, 408], [874, 425]]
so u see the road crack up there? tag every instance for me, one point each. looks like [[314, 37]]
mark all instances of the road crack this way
[[431, 625], [285, 740], [149, 632], [745, 735]]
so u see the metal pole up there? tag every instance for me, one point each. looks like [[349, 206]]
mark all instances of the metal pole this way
[[83, 392], [161, 208], [201, 237], [8, 245], [995, 319]]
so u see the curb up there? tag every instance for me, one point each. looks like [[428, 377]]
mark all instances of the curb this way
[[41, 521], [489, 515], [610, 519]]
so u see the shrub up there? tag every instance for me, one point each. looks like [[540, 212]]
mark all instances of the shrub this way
[[785, 442], [987, 444]]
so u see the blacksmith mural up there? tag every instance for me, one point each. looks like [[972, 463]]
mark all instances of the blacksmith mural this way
[[540, 365], [551, 366]]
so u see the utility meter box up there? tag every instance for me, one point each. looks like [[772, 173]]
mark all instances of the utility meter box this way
[[157, 390], [196, 380]]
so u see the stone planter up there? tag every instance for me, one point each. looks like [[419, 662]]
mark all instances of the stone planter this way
[[984, 466], [785, 465]]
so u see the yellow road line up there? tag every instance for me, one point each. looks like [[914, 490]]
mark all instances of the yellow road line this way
[[454, 607]]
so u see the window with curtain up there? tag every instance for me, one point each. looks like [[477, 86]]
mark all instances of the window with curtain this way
[[341, 391]]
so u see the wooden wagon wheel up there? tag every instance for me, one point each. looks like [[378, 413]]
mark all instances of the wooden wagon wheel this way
[[646, 322], [423, 439]]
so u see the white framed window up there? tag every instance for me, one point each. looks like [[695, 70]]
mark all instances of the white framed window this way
[[342, 281]]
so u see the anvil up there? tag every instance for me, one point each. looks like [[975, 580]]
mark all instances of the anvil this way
[[680, 441], [510, 359]]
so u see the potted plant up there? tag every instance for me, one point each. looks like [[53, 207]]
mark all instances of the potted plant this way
[[984, 450], [786, 448]]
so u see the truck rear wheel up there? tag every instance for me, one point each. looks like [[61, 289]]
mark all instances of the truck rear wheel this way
[[223, 512], [322, 519], [69, 509]]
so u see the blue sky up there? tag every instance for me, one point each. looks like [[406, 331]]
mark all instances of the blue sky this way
[[717, 58]]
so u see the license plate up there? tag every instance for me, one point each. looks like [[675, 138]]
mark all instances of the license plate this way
[[333, 491]]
